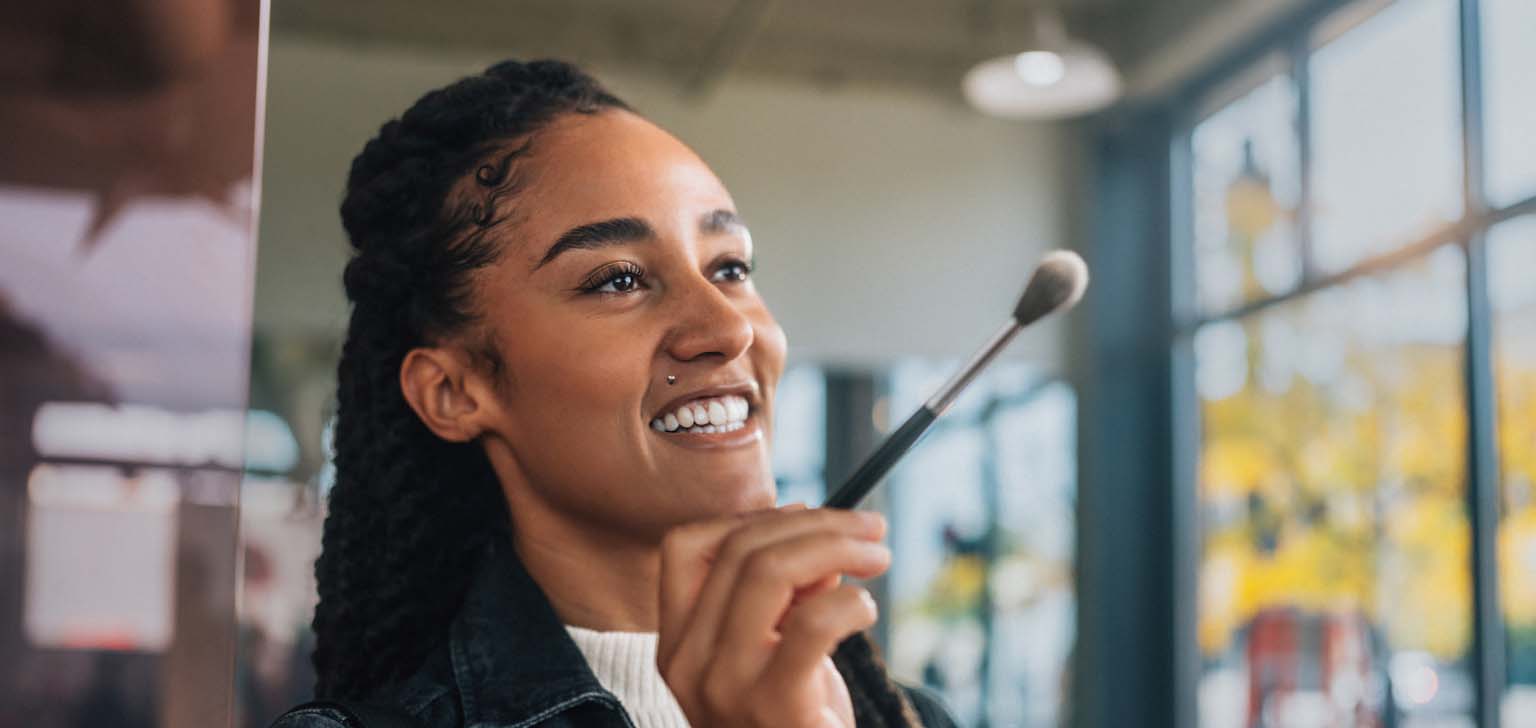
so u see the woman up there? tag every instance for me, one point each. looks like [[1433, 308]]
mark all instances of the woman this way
[[554, 501]]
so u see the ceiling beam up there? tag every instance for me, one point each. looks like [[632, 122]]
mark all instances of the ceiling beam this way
[[727, 45]]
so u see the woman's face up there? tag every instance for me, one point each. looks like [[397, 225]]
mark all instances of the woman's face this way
[[625, 263]]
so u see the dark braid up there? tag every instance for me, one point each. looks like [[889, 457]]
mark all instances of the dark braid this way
[[410, 512], [877, 701]]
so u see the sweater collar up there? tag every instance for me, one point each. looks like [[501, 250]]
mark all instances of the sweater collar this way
[[625, 664], [513, 661]]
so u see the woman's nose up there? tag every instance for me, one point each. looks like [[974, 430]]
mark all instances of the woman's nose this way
[[709, 322]]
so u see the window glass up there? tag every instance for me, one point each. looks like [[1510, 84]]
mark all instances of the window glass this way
[[1386, 132], [1512, 287], [1335, 542], [1509, 98], [1246, 191]]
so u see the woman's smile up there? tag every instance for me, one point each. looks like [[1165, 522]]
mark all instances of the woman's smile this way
[[723, 416]]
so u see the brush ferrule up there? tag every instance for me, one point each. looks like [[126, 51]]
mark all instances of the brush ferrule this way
[[942, 399]]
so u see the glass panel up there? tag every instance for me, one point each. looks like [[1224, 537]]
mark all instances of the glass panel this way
[[982, 531], [1509, 98], [1247, 186], [1335, 543], [126, 243], [1512, 258], [1386, 131]]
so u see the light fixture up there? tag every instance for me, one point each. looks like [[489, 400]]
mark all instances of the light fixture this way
[[1056, 77], [1040, 68]]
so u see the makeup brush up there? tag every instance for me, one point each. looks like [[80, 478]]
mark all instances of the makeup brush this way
[[1057, 284]]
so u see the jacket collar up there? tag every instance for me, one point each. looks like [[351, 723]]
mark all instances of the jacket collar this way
[[512, 658]]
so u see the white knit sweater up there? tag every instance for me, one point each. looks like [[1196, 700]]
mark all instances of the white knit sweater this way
[[625, 664]]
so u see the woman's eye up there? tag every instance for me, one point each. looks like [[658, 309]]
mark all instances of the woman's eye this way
[[621, 283], [736, 270], [618, 280]]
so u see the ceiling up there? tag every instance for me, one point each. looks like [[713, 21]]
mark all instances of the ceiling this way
[[923, 45]]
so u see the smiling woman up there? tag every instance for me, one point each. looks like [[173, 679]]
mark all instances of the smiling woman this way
[[554, 496]]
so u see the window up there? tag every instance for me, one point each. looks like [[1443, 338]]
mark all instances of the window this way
[[1333, 514], [1329, 231]]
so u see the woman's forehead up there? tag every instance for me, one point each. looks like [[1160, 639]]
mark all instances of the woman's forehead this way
[[584, 159], [610, 165]]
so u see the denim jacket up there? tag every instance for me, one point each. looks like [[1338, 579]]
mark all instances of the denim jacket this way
[[509, 663]]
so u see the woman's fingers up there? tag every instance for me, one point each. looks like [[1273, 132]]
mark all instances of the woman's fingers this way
[[744, 542], [684, 564], [686, 555], [769, 581], [726, 584], [810, 632], [696, 647]]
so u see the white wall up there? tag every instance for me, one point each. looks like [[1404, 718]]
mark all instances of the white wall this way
[[886, 224]]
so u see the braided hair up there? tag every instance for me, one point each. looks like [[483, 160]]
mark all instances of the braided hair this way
[[410, 512]]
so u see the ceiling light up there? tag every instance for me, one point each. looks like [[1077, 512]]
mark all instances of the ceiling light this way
[[1040, 68], [1055, 77]]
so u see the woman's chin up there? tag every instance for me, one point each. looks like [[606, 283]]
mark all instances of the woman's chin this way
[[722, 497]]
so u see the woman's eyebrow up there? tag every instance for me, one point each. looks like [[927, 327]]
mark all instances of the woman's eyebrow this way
[[719, 221], [621, 230], [599, 235]]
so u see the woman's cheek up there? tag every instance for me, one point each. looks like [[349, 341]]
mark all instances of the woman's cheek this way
[[774, 345]]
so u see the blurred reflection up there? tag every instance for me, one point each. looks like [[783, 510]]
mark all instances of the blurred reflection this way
[[1332, 487], [127, 132]]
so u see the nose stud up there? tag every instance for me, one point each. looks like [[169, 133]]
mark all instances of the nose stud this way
[[671, 379]]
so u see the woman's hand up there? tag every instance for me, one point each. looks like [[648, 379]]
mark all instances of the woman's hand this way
[[752, 607]]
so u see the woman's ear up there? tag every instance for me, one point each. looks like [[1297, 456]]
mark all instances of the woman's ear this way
[[439, 384]]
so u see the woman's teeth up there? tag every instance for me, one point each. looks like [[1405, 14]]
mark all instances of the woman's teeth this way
[[715, 414]]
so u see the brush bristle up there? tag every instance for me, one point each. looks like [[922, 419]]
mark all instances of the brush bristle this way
[[1058, 283]]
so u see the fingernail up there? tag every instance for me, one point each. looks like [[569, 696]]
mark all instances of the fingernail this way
[[796, 506]]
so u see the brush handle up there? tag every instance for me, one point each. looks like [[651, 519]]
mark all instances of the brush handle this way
[[869, 474]]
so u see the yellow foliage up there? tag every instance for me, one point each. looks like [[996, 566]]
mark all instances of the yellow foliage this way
[[1318, 504], [1517, 567]]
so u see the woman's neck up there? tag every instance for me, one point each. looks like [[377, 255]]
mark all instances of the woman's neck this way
[[593, 579]]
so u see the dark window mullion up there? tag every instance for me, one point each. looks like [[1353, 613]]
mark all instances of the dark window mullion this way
[[1301, 76], [1185, 531], [1520, 209], [1488, 644]]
